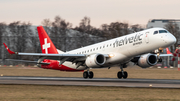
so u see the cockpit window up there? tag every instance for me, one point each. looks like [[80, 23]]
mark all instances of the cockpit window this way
[[155, 32], [163, 31]]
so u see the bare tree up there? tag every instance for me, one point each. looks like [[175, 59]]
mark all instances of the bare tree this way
[[61, 23], [85, 28], [3, 31], [115, 29], [84, 25], [136, 28], [46, 22], [20, 33], [3, 27], [59, 28], [47, 25]]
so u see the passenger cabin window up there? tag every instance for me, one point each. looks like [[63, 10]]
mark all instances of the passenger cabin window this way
[[156, 32], [163, 31]]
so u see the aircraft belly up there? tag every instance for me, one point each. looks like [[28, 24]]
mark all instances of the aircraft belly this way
[[117, 59], [74, 66]]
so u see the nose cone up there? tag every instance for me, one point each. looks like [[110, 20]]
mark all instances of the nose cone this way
[[170, 39]]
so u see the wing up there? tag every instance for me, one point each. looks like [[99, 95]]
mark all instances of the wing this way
[[62, 57]]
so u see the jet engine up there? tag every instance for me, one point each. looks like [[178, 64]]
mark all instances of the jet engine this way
[[95, 60], [147, 60]]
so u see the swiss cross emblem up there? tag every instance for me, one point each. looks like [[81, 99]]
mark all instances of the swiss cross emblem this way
[[46, 45]]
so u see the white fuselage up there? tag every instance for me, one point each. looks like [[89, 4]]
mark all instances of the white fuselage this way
[[124, 48]]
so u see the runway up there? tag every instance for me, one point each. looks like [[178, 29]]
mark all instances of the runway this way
[[113, 82]]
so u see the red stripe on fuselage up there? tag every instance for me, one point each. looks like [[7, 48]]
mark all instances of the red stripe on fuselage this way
[[54, 64]]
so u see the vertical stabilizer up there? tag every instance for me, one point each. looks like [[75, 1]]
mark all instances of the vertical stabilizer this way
[[167, 50], [47, 45]]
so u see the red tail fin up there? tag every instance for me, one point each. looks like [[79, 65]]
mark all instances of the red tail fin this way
[[47, 45], [167, 50]]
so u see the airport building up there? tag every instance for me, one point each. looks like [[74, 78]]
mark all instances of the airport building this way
[[161, 22]]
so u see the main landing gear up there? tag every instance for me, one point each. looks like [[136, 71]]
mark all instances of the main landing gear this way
[[87, 74], [122, 74]]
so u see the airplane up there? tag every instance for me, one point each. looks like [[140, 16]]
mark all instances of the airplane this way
[[138, 47]]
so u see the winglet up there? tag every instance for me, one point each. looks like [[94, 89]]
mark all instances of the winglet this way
[[167, 50], [10, 52]]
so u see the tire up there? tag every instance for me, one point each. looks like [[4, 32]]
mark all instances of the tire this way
[[119, 74], [91, 74], [125, 75], [85, 75]]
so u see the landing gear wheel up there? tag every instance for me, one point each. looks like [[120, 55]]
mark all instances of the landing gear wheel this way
[[119, 74], [125, 75], [91, 74], [85, 75], [122, 74]]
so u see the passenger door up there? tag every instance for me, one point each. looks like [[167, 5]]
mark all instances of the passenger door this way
[[147, 37]]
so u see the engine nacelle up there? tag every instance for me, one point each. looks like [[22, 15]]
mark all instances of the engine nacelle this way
[[95, 60], [147, 60]]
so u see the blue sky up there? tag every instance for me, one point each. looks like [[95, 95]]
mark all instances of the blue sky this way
[[100, 11]]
